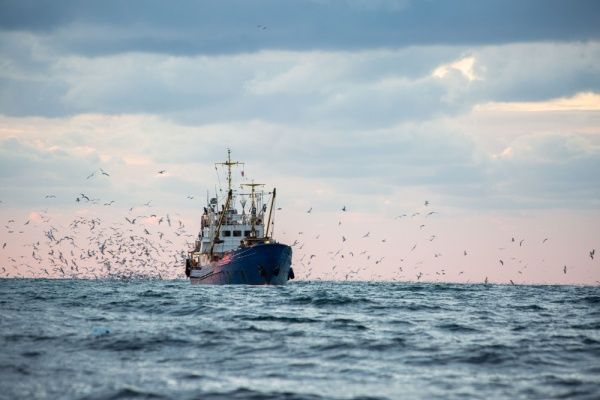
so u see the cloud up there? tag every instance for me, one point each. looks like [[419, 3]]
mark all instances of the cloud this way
[[586, 101], [464, 66], [70, 149], [215, 27], [536, 71], [28, 171], [367, 89], [403, 161], [360, 108], [549, 170]]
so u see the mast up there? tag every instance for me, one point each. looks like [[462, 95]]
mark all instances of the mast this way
[[253, 205], [229, 164]]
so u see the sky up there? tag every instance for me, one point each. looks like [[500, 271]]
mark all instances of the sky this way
[[488, 111]]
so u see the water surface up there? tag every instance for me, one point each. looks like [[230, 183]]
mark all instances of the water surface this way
[[107, 339]]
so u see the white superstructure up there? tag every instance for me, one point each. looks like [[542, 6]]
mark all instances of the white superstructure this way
[[224, 228]]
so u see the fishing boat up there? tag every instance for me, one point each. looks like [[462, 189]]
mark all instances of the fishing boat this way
[[238, 247]]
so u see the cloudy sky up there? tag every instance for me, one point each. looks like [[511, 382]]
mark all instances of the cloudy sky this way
[[490, 111]]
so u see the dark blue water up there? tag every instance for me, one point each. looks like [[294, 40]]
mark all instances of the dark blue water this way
[[168, 339]]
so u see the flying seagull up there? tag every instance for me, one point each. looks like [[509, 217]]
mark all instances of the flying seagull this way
[[309, 210], [162, 171]]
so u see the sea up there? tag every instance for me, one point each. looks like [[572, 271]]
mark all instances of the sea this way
[[168, 339]]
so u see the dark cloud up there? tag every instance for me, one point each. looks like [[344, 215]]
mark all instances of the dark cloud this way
[[194, 27]]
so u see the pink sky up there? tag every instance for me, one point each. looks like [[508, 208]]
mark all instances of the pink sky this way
[[438, 255]]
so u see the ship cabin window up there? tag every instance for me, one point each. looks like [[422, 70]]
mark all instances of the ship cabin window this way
[[247, 233], [237, 233], [227, 233]]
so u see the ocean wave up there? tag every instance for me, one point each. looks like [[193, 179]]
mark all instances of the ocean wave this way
[[170, 339], [114, 342], [125, 393], [590, 300], [329, 300], [249, 394], [283, 319], [454, 327]]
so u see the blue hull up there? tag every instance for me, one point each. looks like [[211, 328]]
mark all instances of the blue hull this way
[[261, 264]]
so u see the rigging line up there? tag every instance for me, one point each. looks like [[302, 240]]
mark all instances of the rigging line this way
[[218, 178]]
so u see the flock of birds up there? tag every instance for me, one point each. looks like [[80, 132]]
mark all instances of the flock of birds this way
[[359, 261], [88, 248], [143, 244], [146, 244]]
